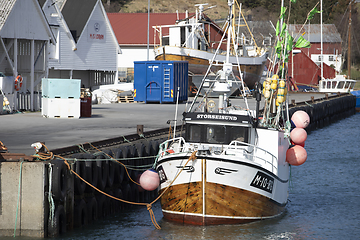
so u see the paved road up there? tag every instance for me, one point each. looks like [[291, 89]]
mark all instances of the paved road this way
[[18, 131]]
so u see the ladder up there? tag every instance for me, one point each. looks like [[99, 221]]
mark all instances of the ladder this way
[[166, 83]]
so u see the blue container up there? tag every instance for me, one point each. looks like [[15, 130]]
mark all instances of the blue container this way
[[60, 88], [159, 81]]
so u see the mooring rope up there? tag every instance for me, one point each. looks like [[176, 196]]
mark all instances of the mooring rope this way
[[50, 198], [50, 156]]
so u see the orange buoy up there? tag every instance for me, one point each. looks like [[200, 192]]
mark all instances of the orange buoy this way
[[298, 135], [301, 144], [300, 119], [149, 180], [296, 155]]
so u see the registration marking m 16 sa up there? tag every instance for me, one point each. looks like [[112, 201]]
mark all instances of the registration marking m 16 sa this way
[[263, 182]]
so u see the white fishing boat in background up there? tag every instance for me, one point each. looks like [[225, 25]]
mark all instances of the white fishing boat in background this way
[[231, 165], [339, 84], [196, 38]]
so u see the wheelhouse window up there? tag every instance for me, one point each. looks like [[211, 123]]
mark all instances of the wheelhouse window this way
[[216, 134]]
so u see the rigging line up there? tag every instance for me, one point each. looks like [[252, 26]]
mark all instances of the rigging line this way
[[343, 16], [357, 44], [207, 72]]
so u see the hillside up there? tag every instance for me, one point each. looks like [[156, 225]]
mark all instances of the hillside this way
[[160, 6]]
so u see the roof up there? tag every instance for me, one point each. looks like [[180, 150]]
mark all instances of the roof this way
[[41, 2], [5, 8], [76, 14], [34, 18], [131, 28], [312, 32]]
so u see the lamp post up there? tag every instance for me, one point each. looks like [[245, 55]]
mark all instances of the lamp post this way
[[148, 30]]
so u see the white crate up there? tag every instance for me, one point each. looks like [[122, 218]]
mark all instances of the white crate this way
[[60, 108], [7, 84]]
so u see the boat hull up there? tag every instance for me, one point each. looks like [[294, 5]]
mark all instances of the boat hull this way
[[224, 205], [212, 192], [251, 67]]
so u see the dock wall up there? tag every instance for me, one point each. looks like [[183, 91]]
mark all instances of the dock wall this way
[[44, 199], [323, 112]]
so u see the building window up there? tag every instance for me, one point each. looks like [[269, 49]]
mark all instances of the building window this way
[[331, 58], [319, 58]]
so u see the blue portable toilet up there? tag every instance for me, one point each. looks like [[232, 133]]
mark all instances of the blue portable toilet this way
[[159, 81]]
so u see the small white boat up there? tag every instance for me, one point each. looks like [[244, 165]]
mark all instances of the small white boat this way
[[231, 164], [339, 84]]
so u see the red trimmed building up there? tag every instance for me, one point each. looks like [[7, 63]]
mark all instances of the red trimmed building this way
[[304, 66]]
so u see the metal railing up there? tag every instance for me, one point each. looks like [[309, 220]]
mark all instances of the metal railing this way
[[251, 152]]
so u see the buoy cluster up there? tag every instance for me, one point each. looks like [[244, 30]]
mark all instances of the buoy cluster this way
[[103, 172], [274, 85], [296, 154]]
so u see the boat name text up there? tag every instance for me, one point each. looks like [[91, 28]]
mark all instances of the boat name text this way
[[263, 182], [217, 117]]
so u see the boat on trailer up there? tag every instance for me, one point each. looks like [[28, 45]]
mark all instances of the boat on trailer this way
[[230, 166], [196, 38]]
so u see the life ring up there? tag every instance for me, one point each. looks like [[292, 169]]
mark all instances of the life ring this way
[[18, 83]]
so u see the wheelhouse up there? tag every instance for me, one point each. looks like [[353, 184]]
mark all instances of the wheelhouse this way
[[213, 128]]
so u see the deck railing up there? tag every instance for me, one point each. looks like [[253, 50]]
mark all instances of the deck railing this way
[[249, 151]]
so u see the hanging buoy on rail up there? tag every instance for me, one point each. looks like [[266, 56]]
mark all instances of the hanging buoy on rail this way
[[300, 119], [298, 136], [149, 180], [296, 155]]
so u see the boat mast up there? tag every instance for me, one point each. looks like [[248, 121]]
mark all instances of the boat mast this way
[[222, 87], [321, 41], [349, 44]]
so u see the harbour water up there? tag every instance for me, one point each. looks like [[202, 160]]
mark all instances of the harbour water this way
[[324, 200]]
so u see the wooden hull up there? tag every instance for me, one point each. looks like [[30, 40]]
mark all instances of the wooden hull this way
[[223, 205], [251, 67]]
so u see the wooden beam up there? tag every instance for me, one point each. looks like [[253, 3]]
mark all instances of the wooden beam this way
[[8, 57], [10, 44]]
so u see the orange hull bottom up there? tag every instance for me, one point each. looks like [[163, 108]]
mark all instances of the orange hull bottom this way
[[183, 203]]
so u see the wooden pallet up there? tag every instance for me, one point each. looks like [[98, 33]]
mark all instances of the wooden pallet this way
[[126, 99]]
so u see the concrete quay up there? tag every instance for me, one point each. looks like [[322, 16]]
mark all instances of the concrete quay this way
[[18, 131]]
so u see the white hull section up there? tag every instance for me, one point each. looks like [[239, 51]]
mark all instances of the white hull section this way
[[233, 172]]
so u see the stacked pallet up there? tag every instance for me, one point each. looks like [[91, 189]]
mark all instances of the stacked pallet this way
[[125, 97], [61, 98]]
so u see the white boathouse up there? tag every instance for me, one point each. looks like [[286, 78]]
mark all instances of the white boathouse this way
[[24, 37], [86, 47]]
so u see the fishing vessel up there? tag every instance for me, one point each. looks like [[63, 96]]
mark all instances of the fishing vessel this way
[[196, 38], [339, 84], [232, 164]]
